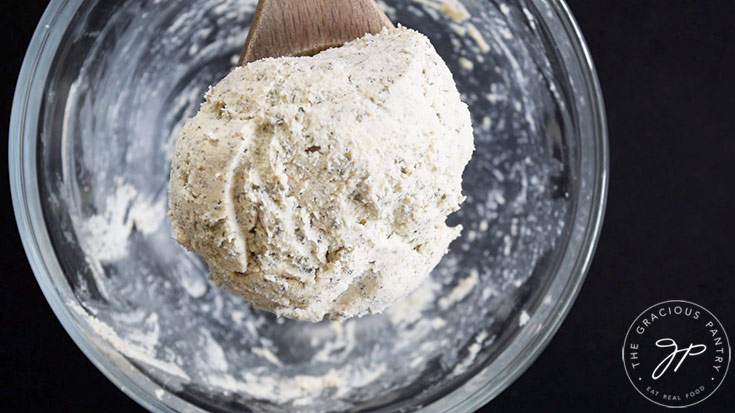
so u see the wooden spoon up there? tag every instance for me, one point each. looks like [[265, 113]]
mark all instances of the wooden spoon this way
[[306, 27]]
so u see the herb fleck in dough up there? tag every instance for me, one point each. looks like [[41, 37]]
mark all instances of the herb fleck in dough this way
[[319, 186]]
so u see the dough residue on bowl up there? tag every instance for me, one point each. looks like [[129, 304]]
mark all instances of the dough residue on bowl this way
[[151, 301]]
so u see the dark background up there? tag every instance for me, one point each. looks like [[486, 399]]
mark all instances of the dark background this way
[[667, 74]]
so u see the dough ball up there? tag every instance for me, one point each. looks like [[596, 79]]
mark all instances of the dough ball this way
[[320, 186]]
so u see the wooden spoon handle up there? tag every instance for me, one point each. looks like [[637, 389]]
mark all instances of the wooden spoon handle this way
[[306, 27]]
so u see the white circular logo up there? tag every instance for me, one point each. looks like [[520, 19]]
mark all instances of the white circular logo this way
[[676, 353]]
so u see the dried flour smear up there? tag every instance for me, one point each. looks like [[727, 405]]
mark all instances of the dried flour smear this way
[[319, 186]]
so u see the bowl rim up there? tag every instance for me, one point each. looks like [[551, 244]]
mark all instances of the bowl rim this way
[[41, 255], [592, 228], [25, 191]]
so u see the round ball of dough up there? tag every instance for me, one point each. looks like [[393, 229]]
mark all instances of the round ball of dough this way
[[319, 186]]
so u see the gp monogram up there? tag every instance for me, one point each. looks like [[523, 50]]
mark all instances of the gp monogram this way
[[676, 353]]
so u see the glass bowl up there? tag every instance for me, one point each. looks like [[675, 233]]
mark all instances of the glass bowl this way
[[106, 85]]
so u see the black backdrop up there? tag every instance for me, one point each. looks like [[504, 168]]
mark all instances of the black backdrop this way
[[667, 73]]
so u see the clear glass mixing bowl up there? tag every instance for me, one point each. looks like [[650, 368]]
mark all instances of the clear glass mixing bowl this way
[[105, 86]]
